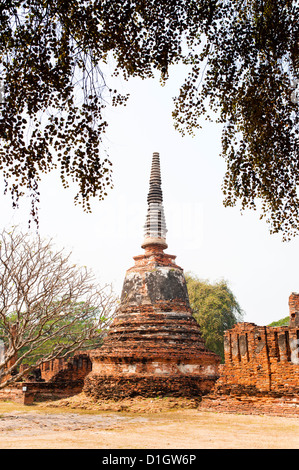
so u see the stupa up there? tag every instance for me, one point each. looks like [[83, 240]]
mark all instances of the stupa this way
[[154, 346]]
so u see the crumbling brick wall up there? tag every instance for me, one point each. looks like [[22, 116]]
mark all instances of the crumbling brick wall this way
[[261, 358], [69, 369], [58, 378]]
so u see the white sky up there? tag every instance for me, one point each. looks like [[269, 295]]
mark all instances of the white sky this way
[[209, 240]]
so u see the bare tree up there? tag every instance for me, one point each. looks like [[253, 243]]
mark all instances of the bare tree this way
[[49, 307]]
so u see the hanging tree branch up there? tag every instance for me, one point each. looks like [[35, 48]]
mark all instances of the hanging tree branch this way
[[243, 56]]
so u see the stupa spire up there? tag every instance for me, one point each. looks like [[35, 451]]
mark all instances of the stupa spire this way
[[155, 224]]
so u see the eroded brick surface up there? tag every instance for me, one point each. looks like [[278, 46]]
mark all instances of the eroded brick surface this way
[[261, 359], [54, 379], [74, 368]]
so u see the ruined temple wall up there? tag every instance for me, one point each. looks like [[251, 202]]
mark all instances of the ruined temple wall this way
[[260, 357], [68, 369]]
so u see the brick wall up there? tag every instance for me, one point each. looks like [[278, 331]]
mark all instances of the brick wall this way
[[261, 358], [60, 378], [74, 368], [30, 392]]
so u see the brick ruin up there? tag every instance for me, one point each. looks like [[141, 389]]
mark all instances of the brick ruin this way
[[56, 379], [263, 359]]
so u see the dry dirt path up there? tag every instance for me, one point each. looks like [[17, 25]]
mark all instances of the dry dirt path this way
[[41, 427]]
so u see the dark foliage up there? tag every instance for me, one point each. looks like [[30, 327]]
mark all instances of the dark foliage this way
[[242, 58]]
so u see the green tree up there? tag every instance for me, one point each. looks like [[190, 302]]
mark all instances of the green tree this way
[[241, 59], [282, 322], [215, 308]]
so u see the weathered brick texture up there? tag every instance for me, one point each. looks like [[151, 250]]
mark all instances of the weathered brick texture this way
[[69, 369], [262, 359], [54, 379], [148, 385]]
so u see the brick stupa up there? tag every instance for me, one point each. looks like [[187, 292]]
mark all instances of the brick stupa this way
[[154, 346]]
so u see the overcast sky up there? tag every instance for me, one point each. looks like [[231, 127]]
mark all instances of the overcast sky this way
[[209, 240]]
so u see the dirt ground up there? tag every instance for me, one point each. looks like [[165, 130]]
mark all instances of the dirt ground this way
[[141, 424]]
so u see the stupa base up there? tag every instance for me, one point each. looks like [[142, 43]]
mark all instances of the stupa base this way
[[119, 387]]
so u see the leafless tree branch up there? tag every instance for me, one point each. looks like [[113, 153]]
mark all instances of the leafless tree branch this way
[[49, 307]]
